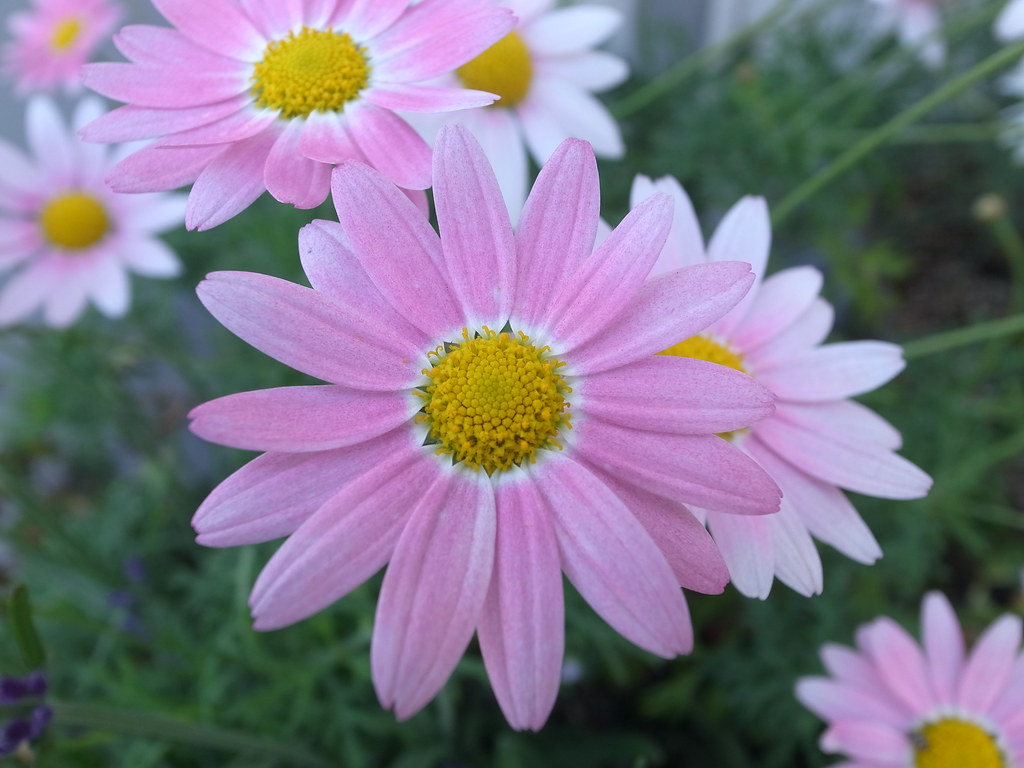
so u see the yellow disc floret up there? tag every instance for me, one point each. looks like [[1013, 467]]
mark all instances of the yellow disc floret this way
[[74, 221], [504, 69], [494, 400], [703, 348], [65, 34], [312, 71], [954, 743]]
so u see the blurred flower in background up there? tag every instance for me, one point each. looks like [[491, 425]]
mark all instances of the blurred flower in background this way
[[52, 40], [891, 702], [1010, 23], [24, 696], [918, 24], [545, 72], [74, 239], [816, 439], [268, 96]]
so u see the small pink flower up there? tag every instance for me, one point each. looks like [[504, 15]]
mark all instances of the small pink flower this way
[[817, 441], [496, 416], [918, 24], [53, 39], [74, 239], [894, 704], [254, 96]]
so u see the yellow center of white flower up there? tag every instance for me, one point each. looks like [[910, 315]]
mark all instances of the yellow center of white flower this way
[[494, 400], [504, 69], [65, 34], [74, 221], [312, 71], [954, 743], [703, 348]]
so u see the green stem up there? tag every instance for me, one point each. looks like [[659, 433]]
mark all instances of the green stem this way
[[884, 133], [674, 76], [933, 134], [130, 723], [962, 337]]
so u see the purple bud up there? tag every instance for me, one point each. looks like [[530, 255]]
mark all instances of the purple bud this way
[[12, 690], [13, 734], [134, 570], [41, 717], [36, 684]]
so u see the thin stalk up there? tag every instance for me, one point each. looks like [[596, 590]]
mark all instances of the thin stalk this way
[[963, 337], [950, 133], [884, 133], [130, 723]]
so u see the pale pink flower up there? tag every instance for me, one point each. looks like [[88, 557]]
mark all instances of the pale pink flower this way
[[52, 40], [894, 704], [1010, 22], [261, 95], [817, 441], [918, 24], [74, 239], [545, 72], [496, 416]]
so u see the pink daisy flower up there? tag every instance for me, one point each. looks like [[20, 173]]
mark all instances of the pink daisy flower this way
[[893, 704], [496, 416], [918, 24], [260, 95], [817, 441], [545, 73], [74, 239], [53, 39]]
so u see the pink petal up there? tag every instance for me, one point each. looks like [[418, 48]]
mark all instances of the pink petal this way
[[748, 547], [397, 248], [874, 742], [603, 284], [334, 270], [368, 18], [823, 509], [293, 178], [421, 98], [832, 372], [129, 122], [900, 663], [390, 145], [497, 130], [743, 234], [147, 44], [108, 286], [230, 183], [680, 395], [859, 467], [48, 137], [560, 217], [1010, 706], [151, 258], [299, 419], [522, 625], [302, 329], [155, 169], [990, 665], [843, 420], [433, 591], [665, 311], [797, 563], [160, 86], [685, 244], [832, 701], [809, 330], [854, 670], [273, 495], [685, 543], [218, 25], [325, 138], [276, 18], [24, 292], [780, 301], [943, 646], [613, 562], [703, 470], [343, 543], [237, 126], [476, 236]]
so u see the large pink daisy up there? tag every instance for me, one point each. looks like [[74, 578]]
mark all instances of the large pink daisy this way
[[817, 440], [496, 416], [893, 704], [52, 40], [269, 94], [74, 239]]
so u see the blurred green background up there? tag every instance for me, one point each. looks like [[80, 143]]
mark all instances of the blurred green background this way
[[152, 659]]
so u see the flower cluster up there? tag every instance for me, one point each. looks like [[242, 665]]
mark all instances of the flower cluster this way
[[25, 694]]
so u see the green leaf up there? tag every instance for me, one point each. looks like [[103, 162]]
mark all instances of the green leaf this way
[[25, 635]]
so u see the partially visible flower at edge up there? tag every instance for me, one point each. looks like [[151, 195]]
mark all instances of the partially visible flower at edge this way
[[72, 237], [545, 72], [918, 24], [1010, 22], [816, 439], [243, 98], [891, 703], [52, 40], [26, 694], [497, 416]]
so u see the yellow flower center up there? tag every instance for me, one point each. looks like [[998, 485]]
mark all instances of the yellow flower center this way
[[74, 221], [953, 743], [65, 34], [313, 71], [494, 400], [703, 348], [504, 69]]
